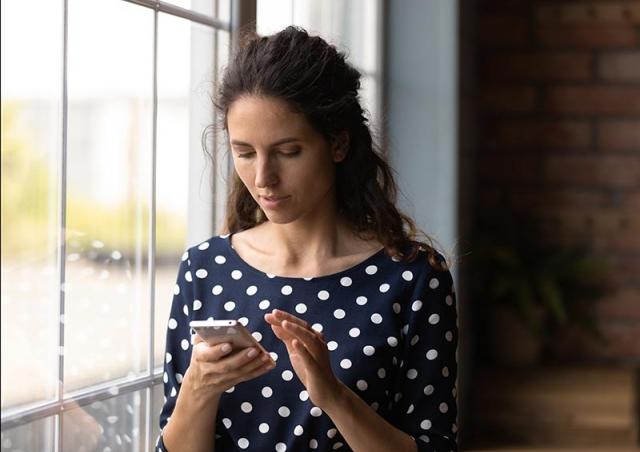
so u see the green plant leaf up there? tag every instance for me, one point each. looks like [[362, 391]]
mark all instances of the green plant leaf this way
[[553, 299]]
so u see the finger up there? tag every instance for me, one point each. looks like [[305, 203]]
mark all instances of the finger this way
[[238, 360], [302, 352], [196, 339], [202, 351], [234, 372], [272, 319], [294, 328], [308, 338], [287, 334], [227, 377], [280, 332], [253, 372], [284, 315], [284, 336]]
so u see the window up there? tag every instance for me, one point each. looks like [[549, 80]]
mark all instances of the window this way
[[354, 26], [104, 184]]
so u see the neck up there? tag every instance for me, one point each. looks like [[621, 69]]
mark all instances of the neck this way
[[315, 240]]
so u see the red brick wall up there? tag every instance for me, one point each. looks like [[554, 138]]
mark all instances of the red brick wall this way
[[559, 121]]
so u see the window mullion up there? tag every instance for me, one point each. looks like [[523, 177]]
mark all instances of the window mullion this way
[[152, 236], [80, 398], [62, 222], [188, 14]]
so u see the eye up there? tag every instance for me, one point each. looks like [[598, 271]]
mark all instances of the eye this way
[[245, 155], [291, 153]]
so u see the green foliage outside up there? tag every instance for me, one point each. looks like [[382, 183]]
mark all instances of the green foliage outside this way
[[29, 207]]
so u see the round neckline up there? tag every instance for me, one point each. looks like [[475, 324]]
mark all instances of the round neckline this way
[[237, 257]]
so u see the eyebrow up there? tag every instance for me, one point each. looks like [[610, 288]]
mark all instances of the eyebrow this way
[[275, 143]]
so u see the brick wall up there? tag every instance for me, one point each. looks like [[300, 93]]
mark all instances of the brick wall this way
[[559, 121]]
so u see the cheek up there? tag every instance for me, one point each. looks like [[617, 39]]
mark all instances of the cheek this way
[[245, 173], [320, 175]]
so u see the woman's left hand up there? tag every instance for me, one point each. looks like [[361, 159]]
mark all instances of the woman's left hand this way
[[309, 356]]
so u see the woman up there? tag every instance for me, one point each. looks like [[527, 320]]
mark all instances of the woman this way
[[319, 264]]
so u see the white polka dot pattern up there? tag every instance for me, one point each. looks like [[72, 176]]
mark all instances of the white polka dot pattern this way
[[385, 322]]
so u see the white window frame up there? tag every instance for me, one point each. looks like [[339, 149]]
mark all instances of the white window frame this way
[[241, 13]]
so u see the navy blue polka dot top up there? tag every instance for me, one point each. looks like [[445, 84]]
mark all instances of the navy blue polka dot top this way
[[390, 326]]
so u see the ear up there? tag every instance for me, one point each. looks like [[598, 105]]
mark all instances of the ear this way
[[340, 146]]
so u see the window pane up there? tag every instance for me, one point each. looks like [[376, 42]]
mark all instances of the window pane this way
[[31, 147], [110, 75], [183, 183], [273, 15], [352, 26], [224, 10], [35, 436], [157, 392], [117, 424], [370, 95]]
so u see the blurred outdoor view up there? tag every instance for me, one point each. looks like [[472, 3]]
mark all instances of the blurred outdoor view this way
[[107, 177], [108, 188]]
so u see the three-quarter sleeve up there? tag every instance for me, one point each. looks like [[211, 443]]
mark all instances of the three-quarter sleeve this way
[[178, 342], [424, 393]]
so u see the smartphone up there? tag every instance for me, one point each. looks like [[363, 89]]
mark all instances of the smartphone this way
[[231, 331]]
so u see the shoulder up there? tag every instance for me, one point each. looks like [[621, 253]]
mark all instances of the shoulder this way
[[213, 246], [428, 268]]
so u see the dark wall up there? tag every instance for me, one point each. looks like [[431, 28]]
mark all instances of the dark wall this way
[[558, 115]]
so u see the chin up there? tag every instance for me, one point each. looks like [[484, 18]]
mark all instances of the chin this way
[[279, 218]]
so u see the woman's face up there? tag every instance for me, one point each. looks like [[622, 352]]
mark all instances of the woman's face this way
[[288, 167]]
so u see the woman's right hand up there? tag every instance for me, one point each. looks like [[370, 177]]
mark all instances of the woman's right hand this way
[[211, 371]]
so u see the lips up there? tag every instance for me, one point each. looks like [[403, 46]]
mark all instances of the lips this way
[[273, 202]]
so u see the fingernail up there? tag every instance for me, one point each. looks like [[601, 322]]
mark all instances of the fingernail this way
[[253, 352], [226, 348]]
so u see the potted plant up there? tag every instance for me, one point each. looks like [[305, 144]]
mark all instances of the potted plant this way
[[531, 288]]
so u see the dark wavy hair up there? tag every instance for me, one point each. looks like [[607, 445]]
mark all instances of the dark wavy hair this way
[[315, 79]]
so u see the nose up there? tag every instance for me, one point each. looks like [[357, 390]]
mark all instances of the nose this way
[[266, 173]]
